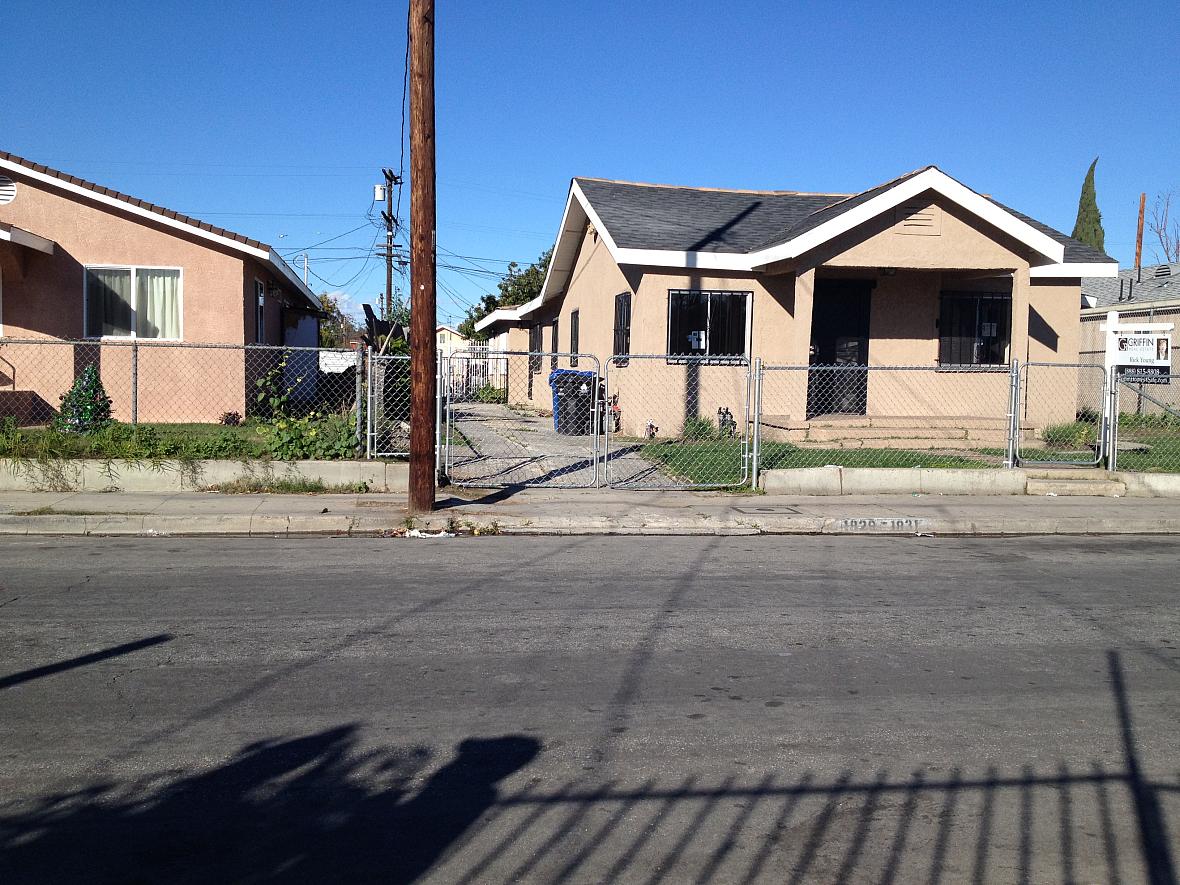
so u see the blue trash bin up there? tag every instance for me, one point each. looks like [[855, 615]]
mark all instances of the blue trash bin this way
[[573, 401]]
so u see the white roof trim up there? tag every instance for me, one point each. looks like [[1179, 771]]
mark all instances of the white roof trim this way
[[1076, 269], [929, 179], [509, 314], [266, 254], [131, 208], [21, 237]]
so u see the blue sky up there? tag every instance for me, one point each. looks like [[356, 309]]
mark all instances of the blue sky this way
[[273, 119]]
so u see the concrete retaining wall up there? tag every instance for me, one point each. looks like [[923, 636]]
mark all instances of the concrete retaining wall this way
[[169, 476], [892, 481]]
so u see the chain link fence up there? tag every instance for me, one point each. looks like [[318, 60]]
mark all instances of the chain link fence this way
[[677, 422], [883, 416], [180, 391], [637, 421], [387, 389], [1147, 433], [1060, 412], [517, 419]]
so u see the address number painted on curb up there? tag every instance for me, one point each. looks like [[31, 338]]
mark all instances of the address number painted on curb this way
[[888, 524]]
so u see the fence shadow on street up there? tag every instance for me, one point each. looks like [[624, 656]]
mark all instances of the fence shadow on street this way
[[323, 807]]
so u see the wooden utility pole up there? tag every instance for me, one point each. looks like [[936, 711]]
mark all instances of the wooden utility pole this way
[[387, 216], [1139, 236], [423, 352]]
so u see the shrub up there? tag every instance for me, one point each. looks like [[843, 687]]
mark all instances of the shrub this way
[[315, 436], [86, 407], [699, 428], [230, 419], [489, 393], [1074, 433]]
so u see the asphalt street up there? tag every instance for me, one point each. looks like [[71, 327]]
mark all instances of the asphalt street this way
[[604, 709]]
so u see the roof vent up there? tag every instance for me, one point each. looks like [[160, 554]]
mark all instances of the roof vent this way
[[7, 190], [918, 219], [1164, 270]]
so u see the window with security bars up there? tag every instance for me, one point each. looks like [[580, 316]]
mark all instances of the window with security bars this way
[[534, 349], [554, 347], [622, 344], [707, 323], [575, 322], [974, 329]]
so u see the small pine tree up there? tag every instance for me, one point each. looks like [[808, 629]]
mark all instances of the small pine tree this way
[[86, 407], [1088, 228]]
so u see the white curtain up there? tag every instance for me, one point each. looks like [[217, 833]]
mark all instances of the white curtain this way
[[108, 301], [157, 303]]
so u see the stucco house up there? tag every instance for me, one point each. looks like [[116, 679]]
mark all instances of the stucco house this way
[[918, 271], [85, 264]]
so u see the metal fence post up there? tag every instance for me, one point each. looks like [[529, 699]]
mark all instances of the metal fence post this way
[[756, 444], [439, 390], [1013, 416], [1112, 422], [134, 382], [369, 403], [361, 412]]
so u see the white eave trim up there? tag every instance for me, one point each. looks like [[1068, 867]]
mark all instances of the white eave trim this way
[[21, 237], [509, 314], [1075, 269], [132, 209], [930, 179]]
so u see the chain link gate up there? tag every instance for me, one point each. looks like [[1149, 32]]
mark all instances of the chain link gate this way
[[388, 405], [1059, 415], [677, 422], [522, 419]]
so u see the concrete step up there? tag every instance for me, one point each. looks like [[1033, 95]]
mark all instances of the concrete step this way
[[874, 433], [1069, 473], [1099, 488]]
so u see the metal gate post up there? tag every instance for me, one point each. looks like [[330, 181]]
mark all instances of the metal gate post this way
[[134, 382], [369, 403], [1013, 415], [1112, 428], [361, 412], [439, 389], [756, 445]]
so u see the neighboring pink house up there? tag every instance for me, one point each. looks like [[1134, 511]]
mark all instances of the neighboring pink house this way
[[83, 263]]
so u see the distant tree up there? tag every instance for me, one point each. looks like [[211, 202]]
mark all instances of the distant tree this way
[[1166, 228], [517, 287], [337, 327], [1088, 227], [399, 313]]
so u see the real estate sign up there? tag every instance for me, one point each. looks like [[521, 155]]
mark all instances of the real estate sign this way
[[1141, 353]]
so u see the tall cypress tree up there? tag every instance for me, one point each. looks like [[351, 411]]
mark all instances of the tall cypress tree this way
[[1088, 227]]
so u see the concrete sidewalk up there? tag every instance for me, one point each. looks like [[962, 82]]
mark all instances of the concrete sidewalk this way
[[589, 511]]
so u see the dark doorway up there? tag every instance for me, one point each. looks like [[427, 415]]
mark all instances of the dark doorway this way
[[836, 385]]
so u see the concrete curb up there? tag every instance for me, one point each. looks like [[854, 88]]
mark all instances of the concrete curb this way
[[179, 476], [331, 524]]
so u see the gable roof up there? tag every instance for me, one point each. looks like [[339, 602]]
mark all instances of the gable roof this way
[[1154, 282], [642, 220], [168, 217]]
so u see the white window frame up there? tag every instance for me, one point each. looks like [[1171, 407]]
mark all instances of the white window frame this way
[[744, 357], [259, 311], [134, 268]]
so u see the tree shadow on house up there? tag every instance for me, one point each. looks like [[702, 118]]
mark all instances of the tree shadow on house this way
[[315, 808]]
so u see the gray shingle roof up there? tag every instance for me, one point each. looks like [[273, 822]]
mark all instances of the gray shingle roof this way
[[1157, 282], [687, 219], [684, 219]]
